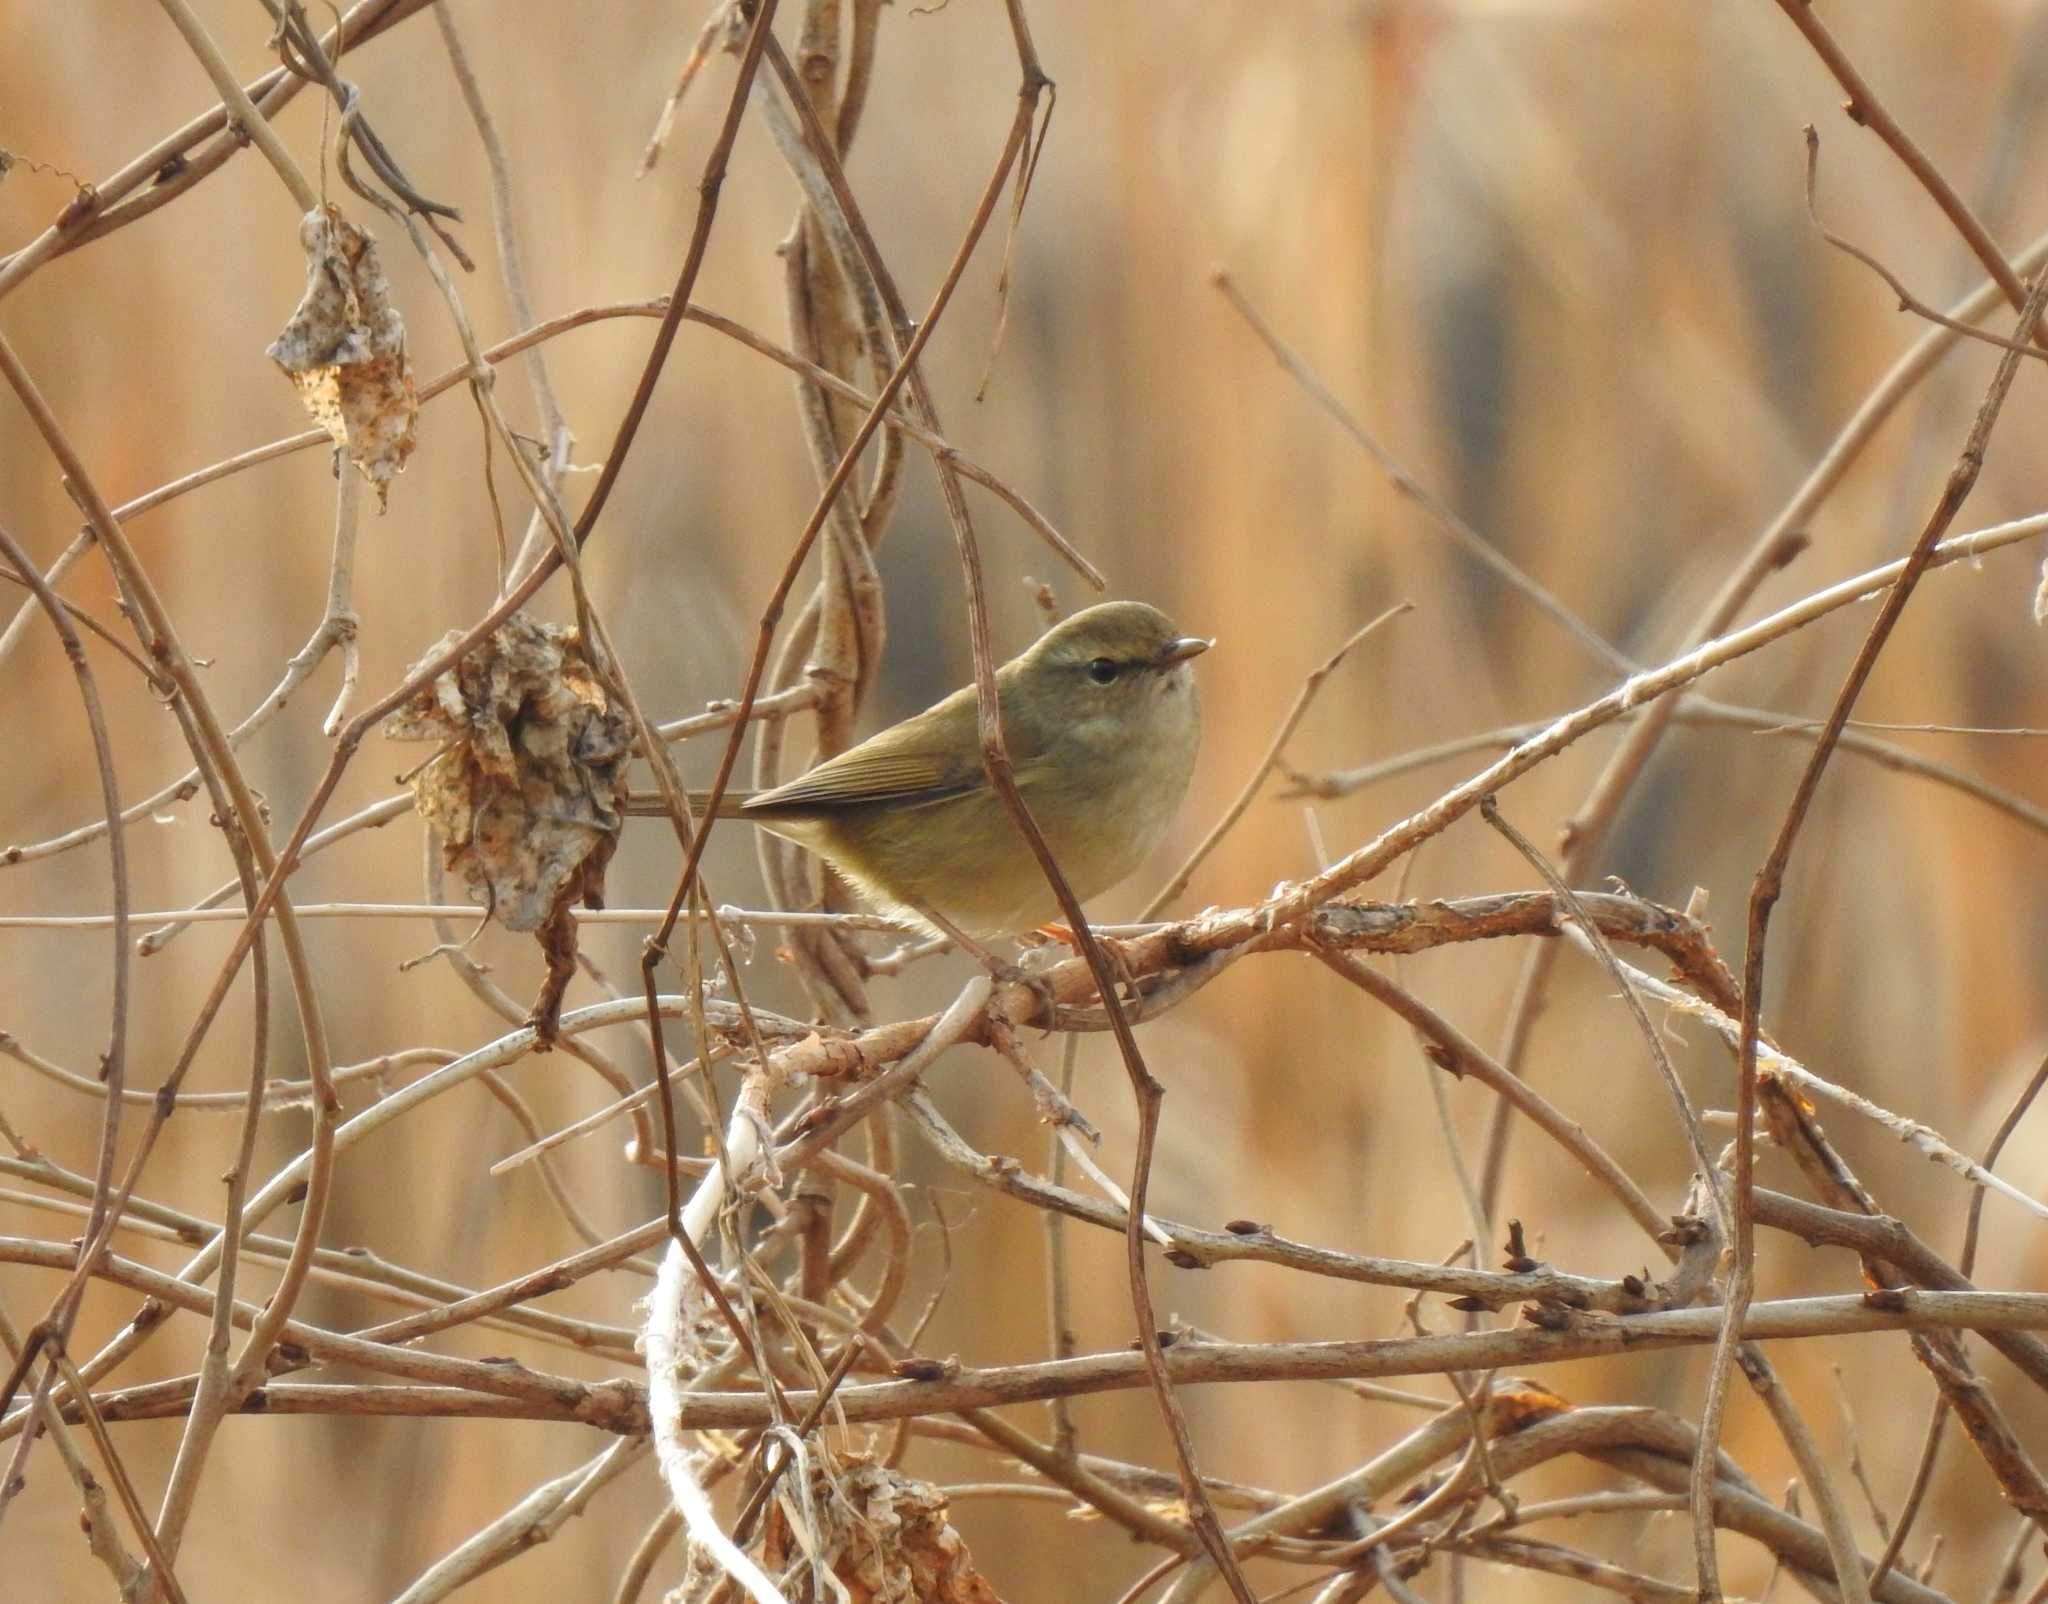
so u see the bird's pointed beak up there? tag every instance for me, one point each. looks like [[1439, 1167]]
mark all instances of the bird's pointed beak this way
[[1179, 651]]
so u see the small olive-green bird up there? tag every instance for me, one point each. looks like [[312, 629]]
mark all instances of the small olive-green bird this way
[[1102, 722]]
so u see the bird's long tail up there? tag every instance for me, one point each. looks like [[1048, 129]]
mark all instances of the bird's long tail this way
[[645, 803]]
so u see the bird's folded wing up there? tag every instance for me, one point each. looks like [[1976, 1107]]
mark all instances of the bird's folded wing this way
[[861, 778]]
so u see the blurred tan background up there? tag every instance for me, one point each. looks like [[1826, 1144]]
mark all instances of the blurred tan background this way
[[1554, 254]]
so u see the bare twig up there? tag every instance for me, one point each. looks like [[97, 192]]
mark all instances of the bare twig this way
[[1307, 694], [1770, 881], [1441, 518], [1866, 110]]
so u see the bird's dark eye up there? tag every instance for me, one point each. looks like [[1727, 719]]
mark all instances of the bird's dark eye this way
[[1102, 670]]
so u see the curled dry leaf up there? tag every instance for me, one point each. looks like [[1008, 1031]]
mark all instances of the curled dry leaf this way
[[1517, 1402], [344, 348], [528, 788], [885, 1536]]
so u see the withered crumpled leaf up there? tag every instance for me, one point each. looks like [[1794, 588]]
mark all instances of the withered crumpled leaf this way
[[884, 1535], [1515, 1403], [530, 790], [344, 348]]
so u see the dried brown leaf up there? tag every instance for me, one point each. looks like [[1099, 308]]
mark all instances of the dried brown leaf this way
[[884, 1535], [344, 349], [1517, 1403], [530, 783]]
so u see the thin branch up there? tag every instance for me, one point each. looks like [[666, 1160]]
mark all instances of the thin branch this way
[[1923, 1469], [1583, 930], [1770, 882], [1866, 110], [1908, 301], [175, 165], [242, 112], [1440, 516], [1274, 750]]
